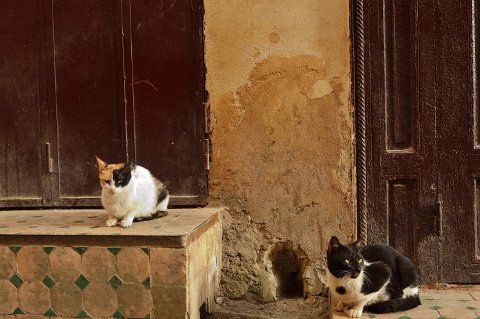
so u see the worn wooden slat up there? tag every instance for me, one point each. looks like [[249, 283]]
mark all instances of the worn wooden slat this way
[[89, 104], [21, 99], [168, 90], [457, 157]]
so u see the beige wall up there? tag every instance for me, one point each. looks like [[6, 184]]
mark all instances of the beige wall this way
[[278, 78]]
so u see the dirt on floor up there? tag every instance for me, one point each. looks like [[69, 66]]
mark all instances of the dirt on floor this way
[[292, 308]]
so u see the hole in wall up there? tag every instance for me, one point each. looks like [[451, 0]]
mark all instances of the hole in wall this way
[[288, 265], [203, 312]]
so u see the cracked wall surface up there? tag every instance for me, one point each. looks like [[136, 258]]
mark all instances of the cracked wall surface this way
[[278, 78]]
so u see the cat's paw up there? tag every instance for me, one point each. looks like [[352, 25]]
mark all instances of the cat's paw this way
[[354, 312], [126, 223], [339, 306], [111, 222]]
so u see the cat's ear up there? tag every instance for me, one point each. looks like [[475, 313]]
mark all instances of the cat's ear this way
[[130, 165], [357, 244], [101, 164], [333, 244]]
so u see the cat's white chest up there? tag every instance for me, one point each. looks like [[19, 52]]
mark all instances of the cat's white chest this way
[[352, 288], [352, 295], [117, 204], [138, 198]]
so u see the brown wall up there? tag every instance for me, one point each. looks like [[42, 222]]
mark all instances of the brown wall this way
[[278, 78]]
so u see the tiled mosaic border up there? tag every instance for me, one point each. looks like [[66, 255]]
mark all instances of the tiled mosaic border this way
[[87, 282]]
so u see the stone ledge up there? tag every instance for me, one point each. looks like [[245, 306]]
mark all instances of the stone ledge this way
[[70, 265], [87, 227]]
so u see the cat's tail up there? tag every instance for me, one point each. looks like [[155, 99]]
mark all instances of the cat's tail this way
[[157, 214], [392, 305]]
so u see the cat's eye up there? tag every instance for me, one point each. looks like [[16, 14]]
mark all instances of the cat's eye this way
[[107, 181], [347, 261]]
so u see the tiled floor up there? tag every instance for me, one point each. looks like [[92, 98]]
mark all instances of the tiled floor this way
[[452, 303]]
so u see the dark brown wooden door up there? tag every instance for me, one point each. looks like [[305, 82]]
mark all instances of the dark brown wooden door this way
[[422, 151], [167, 75], [22, 100], [116, 78], [89, 107]]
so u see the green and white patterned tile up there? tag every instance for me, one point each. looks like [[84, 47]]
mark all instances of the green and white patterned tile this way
[[82, 282], [15, 249], [50, 313], [16, 280], [114, 250], [80, 250], [84, 314], [147, 283], [48, 281], [115, 282], [19, 311]]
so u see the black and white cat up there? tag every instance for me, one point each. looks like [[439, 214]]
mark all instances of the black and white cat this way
[[376, 278]]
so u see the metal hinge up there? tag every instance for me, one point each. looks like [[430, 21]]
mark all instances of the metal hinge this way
[[49, 158]]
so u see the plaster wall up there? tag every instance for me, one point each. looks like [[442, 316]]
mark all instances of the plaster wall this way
[[278, 78]]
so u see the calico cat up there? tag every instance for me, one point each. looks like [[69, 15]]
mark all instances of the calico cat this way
[[376, 278], [131, 193]]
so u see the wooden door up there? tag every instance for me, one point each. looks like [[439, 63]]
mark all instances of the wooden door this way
[[89, 106], [23, 102], [418, 145], [167, 77], [114, 78]]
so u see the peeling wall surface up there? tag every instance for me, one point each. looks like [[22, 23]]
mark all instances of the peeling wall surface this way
[[278, 78]]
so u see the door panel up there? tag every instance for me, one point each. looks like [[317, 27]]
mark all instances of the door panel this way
[[400, 126], [459, 161], [22, 101], [168, 96], [90, 108], [402, 205]]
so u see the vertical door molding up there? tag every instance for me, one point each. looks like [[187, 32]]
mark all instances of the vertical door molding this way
[[358, 87]]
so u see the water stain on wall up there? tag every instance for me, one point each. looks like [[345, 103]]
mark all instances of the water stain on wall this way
[[282, 164]]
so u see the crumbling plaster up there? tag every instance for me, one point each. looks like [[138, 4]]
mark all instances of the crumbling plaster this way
[[278, 79]]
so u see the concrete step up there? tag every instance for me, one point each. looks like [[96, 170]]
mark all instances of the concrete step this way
[[68, 264]]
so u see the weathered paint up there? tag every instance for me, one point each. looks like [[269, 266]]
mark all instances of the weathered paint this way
[[422, 134], [278, 78]]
